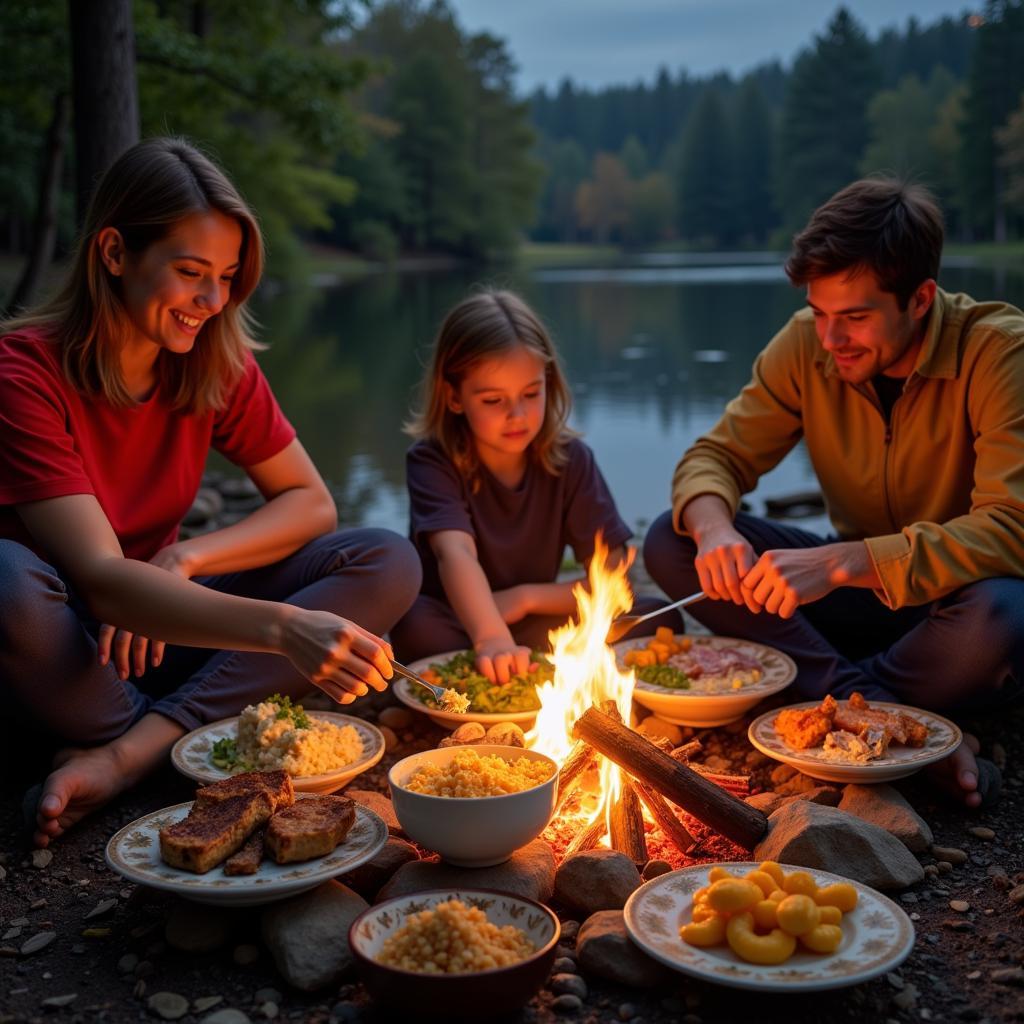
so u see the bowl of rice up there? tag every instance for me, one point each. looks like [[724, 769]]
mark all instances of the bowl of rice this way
[[462, 953], [475, 805]]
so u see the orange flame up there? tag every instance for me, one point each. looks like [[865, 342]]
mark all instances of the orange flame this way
[[586, 673]]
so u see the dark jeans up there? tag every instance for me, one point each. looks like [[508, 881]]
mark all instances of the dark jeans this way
[[431, 627], [48, 660], [962, 652]]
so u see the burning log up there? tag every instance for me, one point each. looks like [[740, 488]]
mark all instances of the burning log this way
[[686, 751], [587, 839], [722, 811], [582, 758], [738, 785], [626, 832], [675, 831]]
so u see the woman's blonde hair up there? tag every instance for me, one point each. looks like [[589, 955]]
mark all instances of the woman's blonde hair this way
[[144, 194], [489, 324]]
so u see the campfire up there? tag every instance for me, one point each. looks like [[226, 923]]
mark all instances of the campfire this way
[[584, 724]]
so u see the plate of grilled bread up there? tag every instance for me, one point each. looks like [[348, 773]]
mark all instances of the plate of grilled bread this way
[[854, 740], [246, 840]]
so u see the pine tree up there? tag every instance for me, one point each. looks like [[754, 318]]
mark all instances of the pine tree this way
[[754, 135], [706, 210]]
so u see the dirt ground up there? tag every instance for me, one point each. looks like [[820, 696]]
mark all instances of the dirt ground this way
[[109, 954]]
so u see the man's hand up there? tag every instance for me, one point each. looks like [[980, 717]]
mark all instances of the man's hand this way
[[784, 579], [514, 604], [129, 651], [724, 558]]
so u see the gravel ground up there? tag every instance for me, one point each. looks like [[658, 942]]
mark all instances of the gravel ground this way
[[79, 944]]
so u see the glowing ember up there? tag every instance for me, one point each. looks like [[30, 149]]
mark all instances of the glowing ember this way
[[586, 673]]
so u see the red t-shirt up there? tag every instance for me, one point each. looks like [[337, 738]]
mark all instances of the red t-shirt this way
[[144, 463]]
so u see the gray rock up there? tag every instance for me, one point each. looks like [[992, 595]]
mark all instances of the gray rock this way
[[596, 880], [825, 837], [227, 1016], [827, 796], [395, 718], [573, 984], [308, 935], [529, 872], [59, 1001], [368, 878], [197, 928], [41, 858], [380, 805], [655, 869], [564, 965], [605, 949], [38, 941], [204, 1003], [127, 963], [886, 807], [101, 908], [168, 1005], [567, 1004]]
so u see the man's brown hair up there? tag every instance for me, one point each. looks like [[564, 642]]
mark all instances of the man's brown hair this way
[[884, 225]]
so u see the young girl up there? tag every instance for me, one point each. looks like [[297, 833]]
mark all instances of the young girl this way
[[110, 397], [498, 486]]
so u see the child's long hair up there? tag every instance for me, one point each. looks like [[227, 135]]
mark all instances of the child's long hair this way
[[489, 324], [146, 191]]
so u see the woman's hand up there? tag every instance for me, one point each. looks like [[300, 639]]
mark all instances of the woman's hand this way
[[724, 557], [338, 656], [515, 603], [500, 658], [129, 651]]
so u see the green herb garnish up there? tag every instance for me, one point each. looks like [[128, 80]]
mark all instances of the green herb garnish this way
[[518, 694], [663, 675], [225, 755], [286, 709]]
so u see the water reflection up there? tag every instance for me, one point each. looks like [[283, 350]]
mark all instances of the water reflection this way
[[653, 351]]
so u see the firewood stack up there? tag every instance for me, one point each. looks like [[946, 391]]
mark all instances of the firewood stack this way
[[658, 776]]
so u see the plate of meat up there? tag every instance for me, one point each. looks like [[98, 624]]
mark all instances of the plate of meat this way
[[702, 681], [246, 840], [854, 741]]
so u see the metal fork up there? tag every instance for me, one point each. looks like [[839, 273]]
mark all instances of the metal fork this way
[[624, 623], [437, 691]]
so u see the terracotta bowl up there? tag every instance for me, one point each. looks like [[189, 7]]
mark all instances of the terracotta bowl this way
[[478, 995], [473, 832]]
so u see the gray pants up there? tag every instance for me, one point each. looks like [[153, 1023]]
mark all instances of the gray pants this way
[[51, 680]]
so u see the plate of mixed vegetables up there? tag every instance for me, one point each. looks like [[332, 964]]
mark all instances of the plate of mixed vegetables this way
[[514, 701]]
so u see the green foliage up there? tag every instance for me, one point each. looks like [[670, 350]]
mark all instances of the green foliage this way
[[1010, 139], [602, 202], [705, 212], [754, 207]]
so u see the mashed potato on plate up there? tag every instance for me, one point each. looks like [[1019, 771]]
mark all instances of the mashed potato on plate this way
[[274, 736]]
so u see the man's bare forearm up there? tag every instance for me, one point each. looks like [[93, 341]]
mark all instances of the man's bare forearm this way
[[705, 513]]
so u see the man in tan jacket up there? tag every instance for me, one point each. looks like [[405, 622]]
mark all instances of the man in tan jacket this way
[[910, 402]]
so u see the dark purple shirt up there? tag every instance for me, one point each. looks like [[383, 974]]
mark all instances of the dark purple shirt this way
[[520, 533]]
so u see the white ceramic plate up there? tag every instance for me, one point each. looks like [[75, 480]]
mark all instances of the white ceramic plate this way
[[191, 754], [899, 761], [403, 690], [704, 710], [877, 937], [134, 852]]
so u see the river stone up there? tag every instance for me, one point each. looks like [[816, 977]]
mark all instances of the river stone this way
[[168, 1005], [380, 805], [827, 796], [368, 878], [766, 803], [228, 1015], [596, 880], [196, 928], [814, 836], [308, 935], [604, 948], [886, 807], [529, 872]]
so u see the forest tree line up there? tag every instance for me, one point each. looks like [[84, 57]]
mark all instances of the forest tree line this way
[[390, 129]]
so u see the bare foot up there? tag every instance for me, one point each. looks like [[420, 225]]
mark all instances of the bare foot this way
[[958, 773], [81, 782]]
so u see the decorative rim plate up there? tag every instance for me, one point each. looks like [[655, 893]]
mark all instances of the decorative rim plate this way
[[191, 754], [403, 690], [134, 852], [877, 937], [779, 669], [899, 761]]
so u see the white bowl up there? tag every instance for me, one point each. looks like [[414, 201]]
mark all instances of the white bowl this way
[[406, 693], [704, 710], [473, 832]]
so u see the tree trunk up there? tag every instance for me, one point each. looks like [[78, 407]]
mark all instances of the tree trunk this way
[[104, 86], [44, 235]]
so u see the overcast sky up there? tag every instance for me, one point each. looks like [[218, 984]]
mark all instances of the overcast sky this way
[[604, 42]]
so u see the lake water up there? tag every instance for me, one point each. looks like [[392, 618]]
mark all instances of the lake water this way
[[653, 349]]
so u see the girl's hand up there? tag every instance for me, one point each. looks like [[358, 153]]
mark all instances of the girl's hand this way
[[129, 650], [338, 656], [514, 604], [501, 657]]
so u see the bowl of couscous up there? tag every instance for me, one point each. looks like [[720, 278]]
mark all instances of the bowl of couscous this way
[[457, 953], [475, 805]]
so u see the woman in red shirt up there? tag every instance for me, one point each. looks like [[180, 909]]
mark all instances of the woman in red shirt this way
[[116, 637]]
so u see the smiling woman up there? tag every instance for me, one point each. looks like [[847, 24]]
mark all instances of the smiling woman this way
[[115, 636]]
